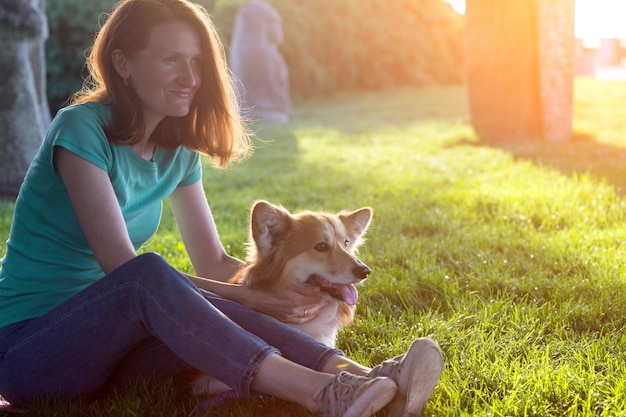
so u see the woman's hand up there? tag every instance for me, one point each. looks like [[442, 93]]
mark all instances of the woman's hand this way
[[297, 304]]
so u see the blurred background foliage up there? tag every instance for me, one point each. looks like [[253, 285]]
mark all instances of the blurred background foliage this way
[[330, 46]]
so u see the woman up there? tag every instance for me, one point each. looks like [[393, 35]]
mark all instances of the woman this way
[[81, 312]]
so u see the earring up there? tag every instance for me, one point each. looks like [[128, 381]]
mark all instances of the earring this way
[[125, 82]]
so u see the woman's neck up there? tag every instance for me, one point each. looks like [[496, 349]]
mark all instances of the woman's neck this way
[[145, 149]]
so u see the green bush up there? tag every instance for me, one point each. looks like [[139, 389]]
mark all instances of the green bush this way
[[72, 25], [330, 46], [370, 44]]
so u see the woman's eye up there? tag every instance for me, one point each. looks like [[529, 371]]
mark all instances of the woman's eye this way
[[322, 247]]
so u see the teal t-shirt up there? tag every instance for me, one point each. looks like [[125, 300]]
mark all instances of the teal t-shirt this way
[[48, 258]]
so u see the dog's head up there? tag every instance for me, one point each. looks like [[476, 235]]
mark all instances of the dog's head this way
[[314, 247]]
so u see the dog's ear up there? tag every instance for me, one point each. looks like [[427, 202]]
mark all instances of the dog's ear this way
[[356, 222], [269, 225]]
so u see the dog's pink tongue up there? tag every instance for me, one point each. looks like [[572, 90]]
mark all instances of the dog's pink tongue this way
[[349, 293]]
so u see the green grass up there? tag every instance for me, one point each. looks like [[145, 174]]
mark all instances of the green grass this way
[[511, 256]]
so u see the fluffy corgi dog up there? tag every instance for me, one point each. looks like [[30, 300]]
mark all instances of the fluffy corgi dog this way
[[313, 247]]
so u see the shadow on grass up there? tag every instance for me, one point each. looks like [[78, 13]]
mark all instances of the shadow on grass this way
[[582, 155]]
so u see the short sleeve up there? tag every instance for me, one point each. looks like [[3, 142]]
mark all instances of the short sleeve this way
[[194, 172], [79, 129]]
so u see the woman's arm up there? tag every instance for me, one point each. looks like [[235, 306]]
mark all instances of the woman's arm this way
[[199, 232], [214, 266], [97, 209]]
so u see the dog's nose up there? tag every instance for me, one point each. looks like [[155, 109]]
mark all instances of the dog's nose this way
[[361, 271]]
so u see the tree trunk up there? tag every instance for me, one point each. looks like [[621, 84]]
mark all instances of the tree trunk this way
[[520, 58]]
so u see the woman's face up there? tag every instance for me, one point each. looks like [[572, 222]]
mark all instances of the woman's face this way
[[167, 73]]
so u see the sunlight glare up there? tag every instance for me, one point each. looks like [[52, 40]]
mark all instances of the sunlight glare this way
[[595, 19], [600, 19], [457, 5]]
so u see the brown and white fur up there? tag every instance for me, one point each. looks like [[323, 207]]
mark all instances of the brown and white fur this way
[[317, 248], [308, 247]]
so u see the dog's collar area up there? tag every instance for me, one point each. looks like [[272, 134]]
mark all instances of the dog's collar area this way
[[342, 292]]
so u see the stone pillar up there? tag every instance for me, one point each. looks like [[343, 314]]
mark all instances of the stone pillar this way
[[520, 58]]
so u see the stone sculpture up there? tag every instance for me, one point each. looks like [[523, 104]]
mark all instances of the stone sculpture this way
[[24, 112], [261, 75]]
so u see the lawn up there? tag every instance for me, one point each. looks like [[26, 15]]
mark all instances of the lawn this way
[[510, 256]]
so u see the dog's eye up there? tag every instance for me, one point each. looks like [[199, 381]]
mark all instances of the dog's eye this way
[[322, 247]]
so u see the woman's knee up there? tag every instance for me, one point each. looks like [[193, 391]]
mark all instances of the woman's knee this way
[[149, 266], [151, 272], [151, 260]]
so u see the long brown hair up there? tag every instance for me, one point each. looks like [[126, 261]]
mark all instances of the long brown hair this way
[[212, 126]]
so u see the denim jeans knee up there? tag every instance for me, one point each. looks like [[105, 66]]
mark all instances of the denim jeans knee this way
[[144, 298]]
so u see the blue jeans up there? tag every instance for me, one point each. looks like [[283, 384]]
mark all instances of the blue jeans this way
[[144, 318]]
